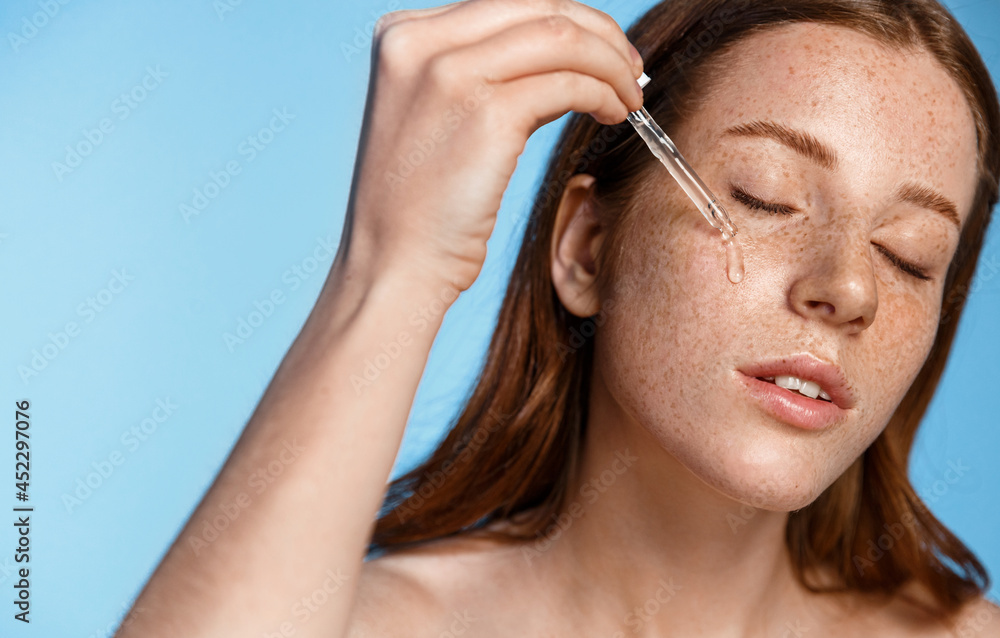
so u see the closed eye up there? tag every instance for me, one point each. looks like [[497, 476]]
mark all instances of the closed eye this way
[[903, 265], [772, 208], [754, 203]]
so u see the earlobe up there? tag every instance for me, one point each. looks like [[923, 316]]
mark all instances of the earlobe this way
[[576, 238]]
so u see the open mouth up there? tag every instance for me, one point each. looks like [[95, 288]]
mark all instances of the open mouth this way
[[809, 389]]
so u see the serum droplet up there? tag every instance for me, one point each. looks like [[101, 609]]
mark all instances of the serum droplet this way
[[734, 258]]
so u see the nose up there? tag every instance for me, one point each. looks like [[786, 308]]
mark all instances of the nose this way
[[837, 286]]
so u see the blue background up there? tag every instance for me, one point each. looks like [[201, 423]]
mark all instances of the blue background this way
[[213, 80]]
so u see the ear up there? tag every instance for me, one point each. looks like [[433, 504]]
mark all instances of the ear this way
[[576, 238]]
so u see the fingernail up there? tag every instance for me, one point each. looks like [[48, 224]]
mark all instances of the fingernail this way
[[636, 58]]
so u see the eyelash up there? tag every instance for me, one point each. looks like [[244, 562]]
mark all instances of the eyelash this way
[[771, 208], [905, 266], [753, 203]]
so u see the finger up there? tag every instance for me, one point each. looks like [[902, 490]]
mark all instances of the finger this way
[[536, 100], [408, 15], [540, 46], [465, 23]]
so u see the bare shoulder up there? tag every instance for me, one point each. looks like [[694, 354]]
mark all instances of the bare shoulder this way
[[908, 613], [429, 590], [979, 618], [390, 592]]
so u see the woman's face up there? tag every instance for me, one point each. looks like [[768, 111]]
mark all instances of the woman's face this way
[[838, 160]]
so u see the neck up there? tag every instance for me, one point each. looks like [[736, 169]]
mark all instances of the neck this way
[[662, 551]]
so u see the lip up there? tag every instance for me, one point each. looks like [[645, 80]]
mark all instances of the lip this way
[[792, 407]]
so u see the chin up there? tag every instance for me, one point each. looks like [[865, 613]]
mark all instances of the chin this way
[[766, 479]]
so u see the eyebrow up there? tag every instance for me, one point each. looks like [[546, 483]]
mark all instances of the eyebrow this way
[[927, 198], [799, 141], [808, 146]]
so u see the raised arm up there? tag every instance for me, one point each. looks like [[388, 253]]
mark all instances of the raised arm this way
[[455, 93]]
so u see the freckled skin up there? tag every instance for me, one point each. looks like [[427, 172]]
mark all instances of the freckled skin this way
[[815, 282], [705, 503]]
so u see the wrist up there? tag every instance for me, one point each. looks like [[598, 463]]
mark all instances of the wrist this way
[[362, 287]]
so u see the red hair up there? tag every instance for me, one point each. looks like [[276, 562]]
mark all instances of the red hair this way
[[513, 449]]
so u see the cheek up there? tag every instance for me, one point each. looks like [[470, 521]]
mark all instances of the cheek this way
[[900, 340], [672, 322], [895, 347], [677, 327]]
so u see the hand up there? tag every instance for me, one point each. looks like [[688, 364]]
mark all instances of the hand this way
[[455, 94]]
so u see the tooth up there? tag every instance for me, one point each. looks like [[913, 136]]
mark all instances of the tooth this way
[[810, 389], [824, 395], [788, 382]]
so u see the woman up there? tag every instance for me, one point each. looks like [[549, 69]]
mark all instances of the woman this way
[[627, 463]]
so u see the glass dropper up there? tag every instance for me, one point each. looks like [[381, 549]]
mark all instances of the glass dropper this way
[[664, 149]]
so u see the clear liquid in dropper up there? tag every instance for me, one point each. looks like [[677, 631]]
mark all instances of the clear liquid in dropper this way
[[718, 216], [734, 258], [664, 150]]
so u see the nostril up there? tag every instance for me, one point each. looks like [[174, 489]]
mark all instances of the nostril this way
[[822, 306], [859, 323], [838, 299]]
